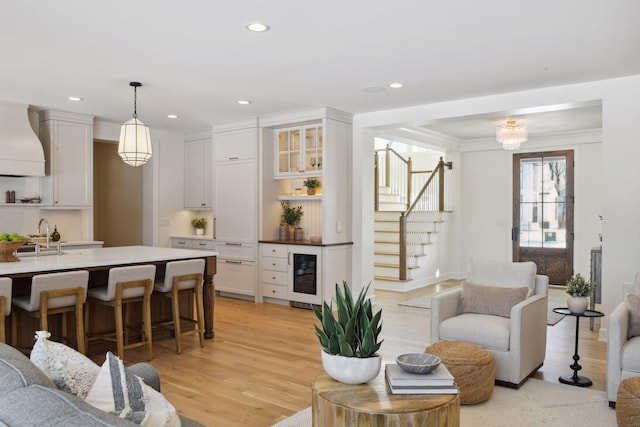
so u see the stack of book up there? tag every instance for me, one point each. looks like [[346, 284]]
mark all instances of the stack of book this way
[[438, 381]]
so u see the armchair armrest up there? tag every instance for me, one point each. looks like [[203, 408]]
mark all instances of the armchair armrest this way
[[443, 306], [528, 334], [617, 327], [148, 373]]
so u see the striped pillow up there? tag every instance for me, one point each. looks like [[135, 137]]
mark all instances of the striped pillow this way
[[120, 392]]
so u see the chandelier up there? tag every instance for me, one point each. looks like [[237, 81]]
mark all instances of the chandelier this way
[[510, 135], [135, 142]]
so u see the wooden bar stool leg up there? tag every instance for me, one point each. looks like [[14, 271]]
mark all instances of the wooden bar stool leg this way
[[200, 313], [147, 318], [80, 323], [175, 304], [119, 327]]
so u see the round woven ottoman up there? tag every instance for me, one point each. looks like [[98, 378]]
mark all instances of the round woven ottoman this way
[[628, 403], [472, 366]]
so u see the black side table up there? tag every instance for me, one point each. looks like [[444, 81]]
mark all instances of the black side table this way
[[575, 379]]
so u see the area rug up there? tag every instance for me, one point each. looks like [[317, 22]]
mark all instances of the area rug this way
[[557, 298], [536, 403]]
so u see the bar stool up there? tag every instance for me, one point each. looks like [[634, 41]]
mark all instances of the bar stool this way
[[5, 304], [183, 277], [124, 286], [54, 293]]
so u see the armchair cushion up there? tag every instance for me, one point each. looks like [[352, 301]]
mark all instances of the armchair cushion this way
[[633, 306], [492, 300], [503, 274], [630, 361], [490, 332]]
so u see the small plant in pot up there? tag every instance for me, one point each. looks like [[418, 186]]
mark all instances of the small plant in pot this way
[[578, 289], [312, 185], [350, 340], [291, 215], [199, 224]]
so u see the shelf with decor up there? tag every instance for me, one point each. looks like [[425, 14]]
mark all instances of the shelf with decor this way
[[299, 197]]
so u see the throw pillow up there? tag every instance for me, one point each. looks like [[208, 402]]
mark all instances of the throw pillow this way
[[70, 370], [633, 306], [493, 300], [119, 391]]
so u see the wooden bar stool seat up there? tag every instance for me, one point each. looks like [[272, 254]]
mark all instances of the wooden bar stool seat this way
[[125, 285], [5, 305], [183, 277], [53, 294]]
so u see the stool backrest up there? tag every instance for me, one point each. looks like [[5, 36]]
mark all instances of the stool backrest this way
[[128, 274], [181, 268], [55, 281], [5, 291]]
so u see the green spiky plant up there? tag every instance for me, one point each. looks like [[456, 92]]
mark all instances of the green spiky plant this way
[[355, 331]]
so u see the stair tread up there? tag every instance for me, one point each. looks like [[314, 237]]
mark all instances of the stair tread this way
[[386, 253], [391, 279]]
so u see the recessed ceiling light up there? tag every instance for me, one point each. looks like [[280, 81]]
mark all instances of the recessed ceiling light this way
[[244, 102], [172, 116], [74, 98], [396, 85], [258, 27], [373, 89]]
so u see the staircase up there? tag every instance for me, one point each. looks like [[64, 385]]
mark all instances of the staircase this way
[[406, 222], [422, 233]]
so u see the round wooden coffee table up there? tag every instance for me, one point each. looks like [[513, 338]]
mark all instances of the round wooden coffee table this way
[[340, 405]]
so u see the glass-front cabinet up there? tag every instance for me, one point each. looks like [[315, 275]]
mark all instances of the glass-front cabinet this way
[[299, 151]]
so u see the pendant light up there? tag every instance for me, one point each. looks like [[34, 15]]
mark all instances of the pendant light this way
[[135, 141], [510, 135]]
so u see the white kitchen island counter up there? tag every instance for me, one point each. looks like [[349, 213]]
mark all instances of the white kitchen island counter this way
[[98, 261]]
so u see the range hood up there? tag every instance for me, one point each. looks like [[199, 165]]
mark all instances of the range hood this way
[[21, 152]]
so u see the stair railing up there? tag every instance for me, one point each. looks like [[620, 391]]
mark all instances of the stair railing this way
[[432, 190], [393, 171]]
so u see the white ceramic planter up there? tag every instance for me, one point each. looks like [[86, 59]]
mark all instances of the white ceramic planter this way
[[199, 231], [351, 370], [577, 305]]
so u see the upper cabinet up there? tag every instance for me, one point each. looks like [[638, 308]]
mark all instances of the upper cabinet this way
[[198, 175], [67, 139], [235, 144], [298, 151]]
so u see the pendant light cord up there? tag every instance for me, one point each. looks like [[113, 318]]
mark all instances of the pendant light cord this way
[[135, 102]]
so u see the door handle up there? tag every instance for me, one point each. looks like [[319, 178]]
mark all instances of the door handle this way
[[289, 258], [514, 234]]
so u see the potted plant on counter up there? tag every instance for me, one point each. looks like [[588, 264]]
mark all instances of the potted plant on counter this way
[[199, 225], [291, 216], [350, 341], [578, 289], [312, 185]]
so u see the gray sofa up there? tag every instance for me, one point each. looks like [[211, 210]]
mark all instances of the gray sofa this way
[[29, 398]]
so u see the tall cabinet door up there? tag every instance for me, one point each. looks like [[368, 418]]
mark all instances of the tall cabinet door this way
[[236, 202], [198, 162]]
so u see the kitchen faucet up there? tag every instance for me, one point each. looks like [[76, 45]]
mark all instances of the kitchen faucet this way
[[46, 223]]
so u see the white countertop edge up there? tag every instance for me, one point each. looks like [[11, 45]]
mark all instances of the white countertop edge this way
[[99, 257]]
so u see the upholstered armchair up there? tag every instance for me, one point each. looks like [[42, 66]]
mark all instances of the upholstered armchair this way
[[623, 343], [493, 310]]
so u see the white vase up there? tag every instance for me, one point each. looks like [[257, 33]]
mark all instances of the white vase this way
[[199, 231], [351, 370], [577, 305]]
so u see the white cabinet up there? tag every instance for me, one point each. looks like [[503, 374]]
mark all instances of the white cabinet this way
[[236, 208], [298, 151], [192, 243], [198, 175], [275, 271], [67, 140]]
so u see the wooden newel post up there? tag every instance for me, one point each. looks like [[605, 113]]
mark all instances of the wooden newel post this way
[[208, 296]]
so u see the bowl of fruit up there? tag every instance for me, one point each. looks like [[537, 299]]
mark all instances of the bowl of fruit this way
[[9, 243]]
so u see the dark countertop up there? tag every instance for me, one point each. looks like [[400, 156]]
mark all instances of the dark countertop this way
[[302, 243]]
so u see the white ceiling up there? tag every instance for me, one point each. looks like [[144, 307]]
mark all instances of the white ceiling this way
[[196, 59]]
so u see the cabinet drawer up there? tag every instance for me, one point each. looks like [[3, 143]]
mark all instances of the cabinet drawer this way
[[274, 264], [274, 277], [274, 291], [277, 251], [202, 244], [236, 250], [182, 243], [235, 276]]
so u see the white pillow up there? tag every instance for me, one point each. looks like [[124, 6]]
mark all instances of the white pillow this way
[[70, 370], [119, 391]]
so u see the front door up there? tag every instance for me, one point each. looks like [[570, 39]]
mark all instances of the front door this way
[[543, 212]]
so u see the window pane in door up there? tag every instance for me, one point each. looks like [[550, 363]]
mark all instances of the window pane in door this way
[[530, 225], [530, 180]]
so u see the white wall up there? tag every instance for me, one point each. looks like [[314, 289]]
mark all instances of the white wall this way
[[616, 198]]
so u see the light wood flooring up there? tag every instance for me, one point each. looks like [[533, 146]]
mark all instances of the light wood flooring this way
[[259, 367]]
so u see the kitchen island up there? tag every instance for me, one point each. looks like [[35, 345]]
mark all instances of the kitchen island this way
[[98, 261]]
